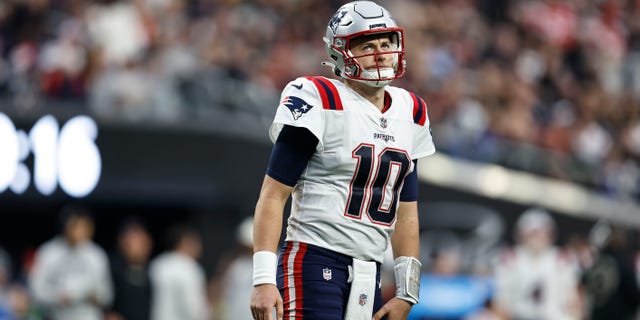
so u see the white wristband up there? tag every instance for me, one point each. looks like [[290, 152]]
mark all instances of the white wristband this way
[[264, 267], [407, 272]]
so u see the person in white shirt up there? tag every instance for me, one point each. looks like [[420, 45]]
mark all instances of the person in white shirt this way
[[535, 280], [178, 282], [70, 278]]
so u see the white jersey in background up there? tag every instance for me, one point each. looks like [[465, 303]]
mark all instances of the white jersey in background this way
[[537, 286], [346, 198]]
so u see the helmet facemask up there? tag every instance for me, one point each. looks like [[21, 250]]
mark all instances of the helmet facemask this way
[[380, 75]]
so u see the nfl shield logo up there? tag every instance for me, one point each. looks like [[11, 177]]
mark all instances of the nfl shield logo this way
[[383, 123], [326, 274], [363, 299]]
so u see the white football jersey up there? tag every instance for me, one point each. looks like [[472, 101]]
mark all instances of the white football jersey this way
[[537, 286], [347, 196]]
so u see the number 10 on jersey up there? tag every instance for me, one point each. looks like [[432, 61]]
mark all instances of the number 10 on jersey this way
[[376, 183]]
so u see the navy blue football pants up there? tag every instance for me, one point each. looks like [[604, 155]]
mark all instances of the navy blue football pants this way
[[313, 283]]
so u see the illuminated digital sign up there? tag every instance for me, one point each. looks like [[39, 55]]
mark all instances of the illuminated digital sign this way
[[66, 156]]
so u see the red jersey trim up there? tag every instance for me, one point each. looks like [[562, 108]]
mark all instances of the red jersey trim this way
[[328, 93]]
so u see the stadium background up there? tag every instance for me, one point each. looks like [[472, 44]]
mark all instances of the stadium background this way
[[525, 111]]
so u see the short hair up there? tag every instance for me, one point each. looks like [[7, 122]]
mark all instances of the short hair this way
[[132, 222], [73, 212], [178, 232]]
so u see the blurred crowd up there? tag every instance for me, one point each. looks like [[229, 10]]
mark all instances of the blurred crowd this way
[[72, 277], [547, 86], [592, 275]]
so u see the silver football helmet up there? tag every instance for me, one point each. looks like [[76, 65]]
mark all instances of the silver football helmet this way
[[363, 18]]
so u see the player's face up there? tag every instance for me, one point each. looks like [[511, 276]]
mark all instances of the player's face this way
[[537, 239], [374, 52]]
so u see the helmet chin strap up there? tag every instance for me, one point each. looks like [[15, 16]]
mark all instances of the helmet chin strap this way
[[381, 73], [375, 84]]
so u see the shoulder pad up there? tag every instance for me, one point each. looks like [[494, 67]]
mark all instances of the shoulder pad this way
[[328, 93], [419, 109]]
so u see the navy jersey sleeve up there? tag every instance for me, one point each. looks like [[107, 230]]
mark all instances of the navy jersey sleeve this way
[[291, 153], [410, 187]]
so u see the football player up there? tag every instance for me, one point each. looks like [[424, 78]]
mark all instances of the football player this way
[[346, 151], [535, 279]]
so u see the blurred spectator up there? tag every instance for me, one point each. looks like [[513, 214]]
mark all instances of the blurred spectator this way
[[610, 283], [558, 26], [177, 279], [534, 280], [232, 286], [63, 62], [20, 305], [581, 252], [22, 29], [70, 278], [117, 31], [130, 272]]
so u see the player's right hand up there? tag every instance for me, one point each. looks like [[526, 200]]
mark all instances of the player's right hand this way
[[394, 309], [263, 299]]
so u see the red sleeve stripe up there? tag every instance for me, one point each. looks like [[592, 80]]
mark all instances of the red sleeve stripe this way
[[419, 109], [328, 93]]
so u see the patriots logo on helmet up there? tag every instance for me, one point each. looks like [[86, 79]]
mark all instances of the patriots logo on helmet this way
[[336, 19], [297, 106]]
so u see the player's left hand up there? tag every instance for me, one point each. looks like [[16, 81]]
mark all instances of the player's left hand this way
[[394, 309]]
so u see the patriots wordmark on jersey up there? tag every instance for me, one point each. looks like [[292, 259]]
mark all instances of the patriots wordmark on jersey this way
[[347, 197]]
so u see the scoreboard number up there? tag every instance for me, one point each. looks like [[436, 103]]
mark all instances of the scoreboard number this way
[[67, 157]]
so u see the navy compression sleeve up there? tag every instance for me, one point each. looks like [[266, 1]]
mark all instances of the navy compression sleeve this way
[[291, 152], [410, 188]]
